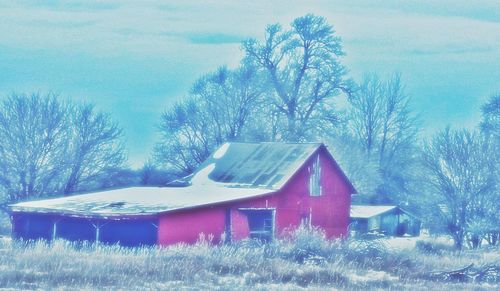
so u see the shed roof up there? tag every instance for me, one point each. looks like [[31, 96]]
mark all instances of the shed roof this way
[[138, 200], [367, 211]]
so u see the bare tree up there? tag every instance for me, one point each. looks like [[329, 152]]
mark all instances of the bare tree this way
[[302, 66], [459, 171], [49, 147], [186, 137], [218, 109], [362, 170], [380, 120], [149, 174], [490, 127], [365, 113], [229, 98], [94, 147], [491, 116], [33, 143], [380, 117]]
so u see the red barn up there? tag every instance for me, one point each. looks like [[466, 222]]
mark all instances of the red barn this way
[[256, 190]]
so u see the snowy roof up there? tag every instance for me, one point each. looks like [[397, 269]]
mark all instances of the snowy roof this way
[[260, 165], [139, 200], [367, 211]]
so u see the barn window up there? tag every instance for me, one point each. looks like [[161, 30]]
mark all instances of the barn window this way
[[314, 178], [260, 224]]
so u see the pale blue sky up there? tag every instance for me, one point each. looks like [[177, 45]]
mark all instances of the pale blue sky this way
[[133, 58]]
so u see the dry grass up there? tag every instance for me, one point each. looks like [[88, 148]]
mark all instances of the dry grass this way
[[303, 261]]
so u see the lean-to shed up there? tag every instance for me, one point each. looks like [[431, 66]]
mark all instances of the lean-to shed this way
[[256, 190], [386, 219]]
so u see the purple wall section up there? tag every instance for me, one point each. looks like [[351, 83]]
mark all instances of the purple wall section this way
[[293, 203], [186, 226]]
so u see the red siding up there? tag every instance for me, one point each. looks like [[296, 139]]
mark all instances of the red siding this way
[[239, 225], [186, 226], [329, 211]]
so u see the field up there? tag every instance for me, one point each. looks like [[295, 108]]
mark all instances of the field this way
[[305, 260]]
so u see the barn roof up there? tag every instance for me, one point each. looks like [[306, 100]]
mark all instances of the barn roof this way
[[234, 171], [367, 211], [261, 165], [138, 200]]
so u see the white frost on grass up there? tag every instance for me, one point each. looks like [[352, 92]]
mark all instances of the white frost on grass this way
[[402, 243], [221, 151], [371, 276]]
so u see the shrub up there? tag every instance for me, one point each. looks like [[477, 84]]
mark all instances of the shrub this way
[[432, 247]]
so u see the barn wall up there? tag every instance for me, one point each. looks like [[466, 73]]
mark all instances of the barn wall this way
[[330, 211], [389, 222], [239, 225], [186, 226]]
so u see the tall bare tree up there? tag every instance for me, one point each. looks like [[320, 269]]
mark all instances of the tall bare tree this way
[[185, 139], [490, 127], [94, 147], [230, 97], [33, 143], [459, 171], [49, 147], [303, 68], [379, 118], [217, 110]]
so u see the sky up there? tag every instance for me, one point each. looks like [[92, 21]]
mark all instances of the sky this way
[[133, 59]]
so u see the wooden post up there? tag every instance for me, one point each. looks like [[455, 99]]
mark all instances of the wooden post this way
[[54, 230], [97, 233]]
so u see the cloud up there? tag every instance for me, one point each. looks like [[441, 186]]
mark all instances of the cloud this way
[[87, 5], [214, 38]]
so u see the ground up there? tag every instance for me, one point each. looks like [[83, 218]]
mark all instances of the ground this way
[[304, 261]]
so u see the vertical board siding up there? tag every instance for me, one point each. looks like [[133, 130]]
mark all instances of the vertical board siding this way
[[187, 226], [239, 225]]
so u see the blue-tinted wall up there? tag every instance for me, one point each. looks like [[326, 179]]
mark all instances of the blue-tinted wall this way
[[125, 232]]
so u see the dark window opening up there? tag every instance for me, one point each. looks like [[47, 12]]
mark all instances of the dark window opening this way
[[261, 224]]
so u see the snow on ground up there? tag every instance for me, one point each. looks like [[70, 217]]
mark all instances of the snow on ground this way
[[409, 242], [401, 243]]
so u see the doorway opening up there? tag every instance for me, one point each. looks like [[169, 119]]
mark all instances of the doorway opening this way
[[261, 223]]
